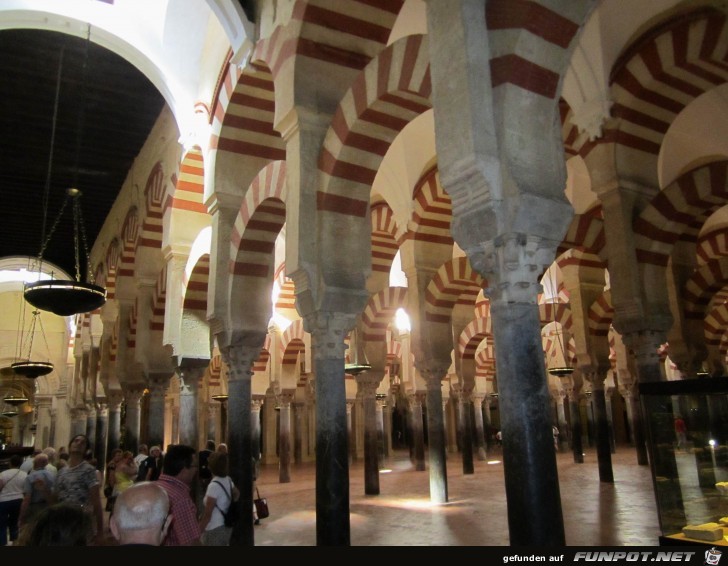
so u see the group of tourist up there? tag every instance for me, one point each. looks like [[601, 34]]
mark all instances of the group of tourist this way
[[151, 500]]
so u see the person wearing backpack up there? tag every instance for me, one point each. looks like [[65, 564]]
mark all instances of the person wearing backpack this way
[[216, 520]]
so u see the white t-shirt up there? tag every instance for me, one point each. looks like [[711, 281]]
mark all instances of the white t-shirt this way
[[14, 480], [215, 490]]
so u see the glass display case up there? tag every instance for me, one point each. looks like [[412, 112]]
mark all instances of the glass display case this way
[[686, 424]]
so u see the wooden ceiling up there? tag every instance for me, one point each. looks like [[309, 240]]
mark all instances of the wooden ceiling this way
[[103, 118]]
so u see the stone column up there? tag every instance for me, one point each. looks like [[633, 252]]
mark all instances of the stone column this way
[[78, 421], [436, 433], [573, 394], [418, 435], [114, 398], [132, 397], [213, 416], [240, 359], [91, 423], [191, 371], [255, 428], [328, 333], [529, 458], [158, 386], [270, 437], [479, 430], [299, 416], [599, 406], [381, 404], [367, 384], [561, 418], [102, 434], [284, 436], [350, 431], [464, 424], [43, 404]]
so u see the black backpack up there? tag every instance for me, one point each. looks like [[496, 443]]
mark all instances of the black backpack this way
[[233, 512], [143, 468]]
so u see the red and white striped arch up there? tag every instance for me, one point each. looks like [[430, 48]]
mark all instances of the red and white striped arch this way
[[679, 211], [586, 232], [195, 289], [292, 343], [129, 235], [152, 227], [432, 211], [664, 70], [380, 310], [703, 284], [384, 244], [189, 190], [455, 282], [159, 299], [244, 110], [601, 315], [259, 222], [712, 245], [113, 255], [261, 363], [393, 90], [472, 335]]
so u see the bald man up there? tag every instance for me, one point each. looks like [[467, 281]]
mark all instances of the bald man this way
[[141, 515]]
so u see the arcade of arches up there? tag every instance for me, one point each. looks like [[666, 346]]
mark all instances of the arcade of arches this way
[[532, 184]]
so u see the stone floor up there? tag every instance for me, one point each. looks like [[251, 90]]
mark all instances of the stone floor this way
[[595, 514]]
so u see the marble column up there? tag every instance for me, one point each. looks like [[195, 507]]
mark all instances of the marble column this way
[[464, 425], [367, 384], [284, 436], [572, 392], [43, 404], [132, 398], [328, 333], [91, 423], [191, 371], [114, 399], [240, 359], [601, 425], [158, 387], [418, 433], [436, 433], [102, 433], [479, 429], [255, 428]]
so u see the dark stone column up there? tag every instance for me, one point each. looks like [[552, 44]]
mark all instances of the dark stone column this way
[[466, 431], [102, 432], [132, 396], [158, 386], [284, 437], [114, 398], [328, 333], [190, 371], [240, 359], [436, 434], [529, 458], [418, 435], [367, 385], [604, 448]]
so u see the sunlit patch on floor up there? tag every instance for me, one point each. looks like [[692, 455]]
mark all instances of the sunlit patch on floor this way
[[491, 462]]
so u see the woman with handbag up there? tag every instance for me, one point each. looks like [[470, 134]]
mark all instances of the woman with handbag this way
[[216, 520]]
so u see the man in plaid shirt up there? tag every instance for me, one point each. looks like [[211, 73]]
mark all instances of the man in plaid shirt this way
[[178, 474]]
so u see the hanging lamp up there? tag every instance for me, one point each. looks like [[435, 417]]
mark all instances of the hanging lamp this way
[[27, 366], [9, 411], [358, 361], [566, 369], [60, 296]]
